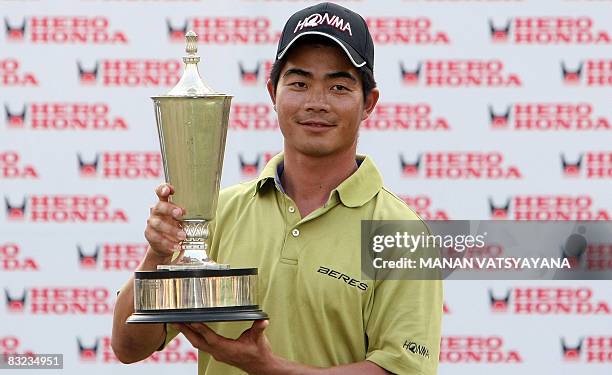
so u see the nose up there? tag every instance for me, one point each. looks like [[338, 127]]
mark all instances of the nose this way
[[316, 101]]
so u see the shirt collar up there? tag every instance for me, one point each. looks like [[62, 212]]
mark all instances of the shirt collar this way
[[355, 191]]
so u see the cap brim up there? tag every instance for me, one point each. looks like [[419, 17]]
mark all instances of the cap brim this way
[[356, 60]]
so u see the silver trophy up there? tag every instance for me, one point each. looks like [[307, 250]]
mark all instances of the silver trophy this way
[[192, 122]]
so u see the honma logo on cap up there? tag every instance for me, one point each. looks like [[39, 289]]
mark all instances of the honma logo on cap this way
[[317, 19]]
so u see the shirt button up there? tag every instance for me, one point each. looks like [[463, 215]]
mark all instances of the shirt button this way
[[295, 232], [291, 209]]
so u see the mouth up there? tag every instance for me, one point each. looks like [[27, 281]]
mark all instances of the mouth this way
[[316, 124]]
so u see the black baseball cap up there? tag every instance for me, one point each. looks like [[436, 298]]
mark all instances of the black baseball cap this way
[[335, 22]]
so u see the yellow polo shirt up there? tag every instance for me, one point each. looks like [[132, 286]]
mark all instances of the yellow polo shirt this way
[[321, 312]]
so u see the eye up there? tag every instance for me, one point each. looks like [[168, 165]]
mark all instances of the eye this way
[[339, 88], [298, 84]]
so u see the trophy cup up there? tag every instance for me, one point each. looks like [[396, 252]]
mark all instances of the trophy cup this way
[[192, 122]]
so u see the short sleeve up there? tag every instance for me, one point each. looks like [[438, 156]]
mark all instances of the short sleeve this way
[[171, 333], [404, 324]]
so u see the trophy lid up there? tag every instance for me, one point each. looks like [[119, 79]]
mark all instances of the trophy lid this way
[[191, 84]]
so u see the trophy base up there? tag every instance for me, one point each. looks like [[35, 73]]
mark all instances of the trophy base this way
[[219, 314], [196, 295]]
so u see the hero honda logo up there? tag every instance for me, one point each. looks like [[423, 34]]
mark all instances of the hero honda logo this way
[[477, 349], [590, 73], [64, 209], [250, 167], [459, 73], [11, 345], [121, 165], [589, 165], [317, 19], [130, 72], [458, 165], [224, 30], [111, 256], [11, 259], [11, 74], [63, 30], [404, 116], [547, 207], [589, 349], [547, 117], [60, 301], [548, 30], [405, 30], [58, 116], [253, 116], [11, 167], [254, 74], [548, 301], [424, 208], [99, 350]]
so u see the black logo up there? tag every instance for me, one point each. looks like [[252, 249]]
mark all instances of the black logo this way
[[410, 169], [499, 34], [415, 348], [499, 212], [499, 304], [88, 169], [88, 260], [15, 212], [410, 77], [571, 77], [176, 33], [249, 77], [15, 119], [346, 278], [88, 76], [571, 353], [15, 304], [571, 169], [499, 120], [249, 169], [87, 353], [15, 33]]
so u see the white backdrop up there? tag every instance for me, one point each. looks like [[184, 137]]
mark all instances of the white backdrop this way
[[57, 123]]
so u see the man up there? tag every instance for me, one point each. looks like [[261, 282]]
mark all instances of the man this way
[[299, 223]]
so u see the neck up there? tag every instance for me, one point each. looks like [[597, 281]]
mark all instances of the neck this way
[[309, 180]]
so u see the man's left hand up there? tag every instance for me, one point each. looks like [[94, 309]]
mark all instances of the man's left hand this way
[[250, 352]]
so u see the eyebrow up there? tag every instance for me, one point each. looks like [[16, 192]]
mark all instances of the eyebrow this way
[[304, 73]]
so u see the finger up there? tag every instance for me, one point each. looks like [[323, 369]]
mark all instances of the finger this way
[[167, 209], [163, 191], [161, 242], [259, 326], [193, 337], [170, 228], [209, 335]]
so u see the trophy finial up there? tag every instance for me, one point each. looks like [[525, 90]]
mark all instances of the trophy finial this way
[[191, 43], [191, 83]]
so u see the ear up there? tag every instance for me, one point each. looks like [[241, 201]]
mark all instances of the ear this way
[[271, 92], [370, 103]]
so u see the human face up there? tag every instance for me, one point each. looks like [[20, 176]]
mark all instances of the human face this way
[[319, 101]]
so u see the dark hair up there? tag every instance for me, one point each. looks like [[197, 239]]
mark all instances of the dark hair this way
[[365, 74]]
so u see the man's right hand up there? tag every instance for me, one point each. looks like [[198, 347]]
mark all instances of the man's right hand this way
[[163, 231]]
